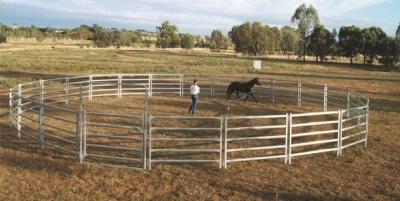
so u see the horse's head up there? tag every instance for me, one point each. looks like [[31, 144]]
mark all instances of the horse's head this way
[[256, 81]]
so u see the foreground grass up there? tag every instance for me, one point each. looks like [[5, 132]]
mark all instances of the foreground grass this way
[[369, 173]]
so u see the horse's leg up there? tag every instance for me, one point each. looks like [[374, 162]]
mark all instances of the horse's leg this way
[[229, 95], [251, 94], [247, 97], [229, 92]]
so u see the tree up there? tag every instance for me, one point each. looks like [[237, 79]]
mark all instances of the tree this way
[[187, 41], [398, 33], [3, 38], [372, 38], [101, 37], [82, 33], [249, 38], [350, 41], [167, 35], [306, 19], [321, 41], [273, 38], [389, 52], [218, 41], [289, 40]]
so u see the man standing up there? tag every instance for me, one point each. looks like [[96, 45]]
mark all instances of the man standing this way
[[194, 91]]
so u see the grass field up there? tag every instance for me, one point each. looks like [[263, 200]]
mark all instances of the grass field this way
[[369, 173]]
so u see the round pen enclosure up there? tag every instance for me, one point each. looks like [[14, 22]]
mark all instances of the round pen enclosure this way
[[138, 120]]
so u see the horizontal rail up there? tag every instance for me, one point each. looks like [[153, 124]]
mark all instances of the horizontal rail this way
[[255, 158], [353, 135], [353, 143], [257, 117], [113, 147], [313, 152], [256, 148], [315, 123], [60, 147], [183, 129], [183, 161], [313, 143], [59, 129], [183, 139], [315, 113], [313, 133], [115, 157], [60, 118], [256, 127], [113, 136], [113, 126], [187, 150], [256, 138], [29, 118], [354, 117], [352, 127], [184, 117], [60, 138], [113, 114]]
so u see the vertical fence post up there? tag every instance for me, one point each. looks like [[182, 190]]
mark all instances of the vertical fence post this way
[[84, 120], [273, 91], [366, 122], [180, 85], [299, 93], [225, 141], [90, 88], [212, 87], [348, 103], [221, 130], [66, 90], [119, 86], [150, 85], [10, 115], [290, 139], [325, 97], [287, 138], [79, 135], [150, 146], [41, 116], [19, 112], [79, 126], [359, 110], [80, 97], [339, 134], [144, 131]]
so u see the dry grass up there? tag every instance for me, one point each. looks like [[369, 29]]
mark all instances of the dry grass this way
[[369, 173]]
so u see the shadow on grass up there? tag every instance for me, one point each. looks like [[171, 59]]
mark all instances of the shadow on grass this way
[[53, 160]]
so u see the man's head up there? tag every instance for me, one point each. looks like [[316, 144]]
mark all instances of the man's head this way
[[195, 81]]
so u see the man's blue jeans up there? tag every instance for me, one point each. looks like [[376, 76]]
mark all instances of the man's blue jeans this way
[[195, 99]]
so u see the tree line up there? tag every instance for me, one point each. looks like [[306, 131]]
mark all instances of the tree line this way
[[310, 38], [313, 39]]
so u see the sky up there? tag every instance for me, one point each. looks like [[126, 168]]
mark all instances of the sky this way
[[195, 16]]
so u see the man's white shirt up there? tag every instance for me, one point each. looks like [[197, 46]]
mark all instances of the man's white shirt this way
[[194, 89]]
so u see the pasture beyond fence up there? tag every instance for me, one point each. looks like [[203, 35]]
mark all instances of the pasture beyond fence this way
[[37, 109]]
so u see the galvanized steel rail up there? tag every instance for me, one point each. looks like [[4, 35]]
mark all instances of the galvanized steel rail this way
[[33, 105]]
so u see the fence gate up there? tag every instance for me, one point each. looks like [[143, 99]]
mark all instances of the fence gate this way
[[250, 138], [183, 139], [115, 140]]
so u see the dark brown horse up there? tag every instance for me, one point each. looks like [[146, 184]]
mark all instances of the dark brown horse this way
[[244, 87]]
